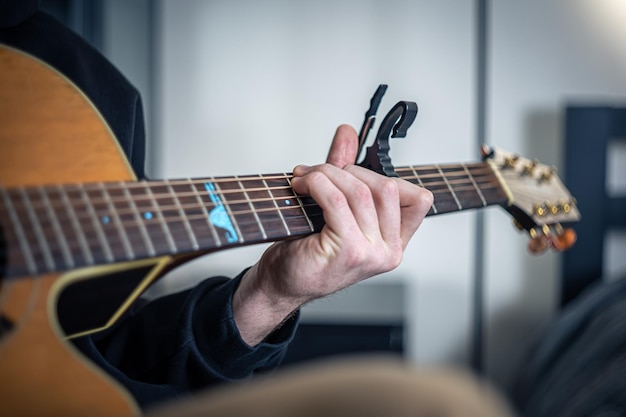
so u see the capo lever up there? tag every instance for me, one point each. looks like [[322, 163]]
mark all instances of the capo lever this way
[[395, 125], [370, 116]]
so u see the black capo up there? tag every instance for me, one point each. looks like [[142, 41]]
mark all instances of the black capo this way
[[394, 125]]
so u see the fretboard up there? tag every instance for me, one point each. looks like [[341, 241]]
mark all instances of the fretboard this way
[[63, 227]]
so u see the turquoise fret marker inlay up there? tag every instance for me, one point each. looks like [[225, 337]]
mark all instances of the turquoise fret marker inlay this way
[[218, 215], [147, 215], [105, 219], [287, 202]]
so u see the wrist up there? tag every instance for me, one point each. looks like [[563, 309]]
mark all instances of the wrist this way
[[257, 309]]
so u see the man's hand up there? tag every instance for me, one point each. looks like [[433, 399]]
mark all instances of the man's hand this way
[[369, 220]]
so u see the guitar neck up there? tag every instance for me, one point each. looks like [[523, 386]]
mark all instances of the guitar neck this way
[[57, 228]]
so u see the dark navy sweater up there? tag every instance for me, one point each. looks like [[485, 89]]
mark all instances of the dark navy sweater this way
[[179, 343]]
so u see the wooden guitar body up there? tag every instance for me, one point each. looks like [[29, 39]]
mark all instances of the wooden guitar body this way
[[50, 133]]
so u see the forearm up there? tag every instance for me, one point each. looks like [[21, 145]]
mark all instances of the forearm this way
[[256, 311]]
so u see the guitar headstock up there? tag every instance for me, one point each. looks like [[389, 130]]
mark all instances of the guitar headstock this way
[[538, 200]]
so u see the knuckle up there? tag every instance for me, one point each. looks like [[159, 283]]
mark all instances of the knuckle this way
[[396, 257], [394, 254], [390, 188], [354, 256], [337, 200], [362, 192], [316, 177], [426, 198]]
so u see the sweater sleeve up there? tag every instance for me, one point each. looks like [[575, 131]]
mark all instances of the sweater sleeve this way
[[177, 344]]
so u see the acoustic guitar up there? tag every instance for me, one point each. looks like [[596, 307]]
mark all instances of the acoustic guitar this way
[[81, 238]]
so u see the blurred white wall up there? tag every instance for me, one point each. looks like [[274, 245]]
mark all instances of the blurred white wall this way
[[258, 87], [544, 55], [242, 87]]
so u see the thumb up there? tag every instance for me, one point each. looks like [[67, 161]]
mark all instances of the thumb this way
[[344, 148]]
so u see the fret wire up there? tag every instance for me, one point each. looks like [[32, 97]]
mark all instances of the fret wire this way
[[201, 181], [201, 205], [308, 217], [240, 212], [138, 234], [287, 175], [480, 193], [116, 221], [301, 205], [418, 177], [73, 216], [43, 244], [252, 209], [225, 192], [12, 249], [135, 223], [472, 182], [19, 231], [164, 226], [481, 165], [84, 239], [227, 207], [305, 214], [207, 216], [142, 227], [67, 254], [183, 215], [450, 188], [469, 186], [484, 175], [280, 213], [104, 243], [199, 230], [478, 165], [419, 180], [435, 192]]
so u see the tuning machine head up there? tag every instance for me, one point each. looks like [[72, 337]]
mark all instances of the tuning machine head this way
[[554, 236]]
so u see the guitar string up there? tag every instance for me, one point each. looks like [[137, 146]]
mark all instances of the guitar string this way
[[134, 235], [414, 174], [170, 219], [161, 209], [460, 185], [110, 187], [164, 208], [92, 239]]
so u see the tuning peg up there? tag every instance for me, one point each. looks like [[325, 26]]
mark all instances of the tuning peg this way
[[510, 161], [547, 175], [518, 225], [538, 245], [539, 242], [566, 206], [530, 167], [555, 237], [486, 152], [554, 208], [563, 240], [540, 209]]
